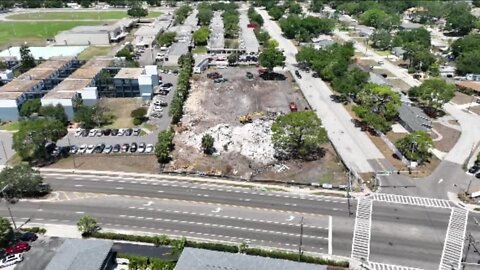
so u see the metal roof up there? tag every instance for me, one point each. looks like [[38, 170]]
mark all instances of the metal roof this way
[[200, 259], [79, 254], [414, 118], [129, 73]]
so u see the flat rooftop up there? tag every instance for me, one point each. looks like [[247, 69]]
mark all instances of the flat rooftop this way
[[19, 86], [54, 63], [60, 95], [91, 29], [10, 95], [85, 73], [70, 84], [37, 74], [45, 52], [129, 73], [98, 62]]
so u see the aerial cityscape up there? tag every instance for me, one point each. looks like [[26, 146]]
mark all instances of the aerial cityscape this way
[[247, 135]]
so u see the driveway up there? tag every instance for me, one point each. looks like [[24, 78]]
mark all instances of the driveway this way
[[6, 151], [354, 146]]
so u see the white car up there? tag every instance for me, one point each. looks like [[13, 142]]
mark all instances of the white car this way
[[141, 148], [149, 148], [108, 149], [78, 132], [122, 263], [11, 260], [90, 149], [92, 133], [158, 109], [121, 132], [82, 149]]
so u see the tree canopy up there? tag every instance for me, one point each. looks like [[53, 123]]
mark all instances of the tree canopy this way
[[379, 19], [207, 144], [381, 39], [32, 137], [6, 232], [164, 145], [205, 14], [378, 106], [182, 13], [136, 10], [91, 116], [415, 146], [30, 106], [304, 29], [56, 112], [22, 182], [271, 57], [298, 135], [460, 20], [166, 38], [419, 57], [420, 36], [200, 37], [351, 83], [276, 12], [433, 93], [87, 225], [26, 59]]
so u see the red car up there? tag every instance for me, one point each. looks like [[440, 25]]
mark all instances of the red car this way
[[17, 248]]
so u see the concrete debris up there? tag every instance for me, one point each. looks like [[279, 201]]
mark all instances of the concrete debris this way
[[280, 167], [252, 140]]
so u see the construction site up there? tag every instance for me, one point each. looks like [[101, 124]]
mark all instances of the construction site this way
[[237, 108]]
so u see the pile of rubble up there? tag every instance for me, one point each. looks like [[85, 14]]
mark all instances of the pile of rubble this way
[[252, 140]]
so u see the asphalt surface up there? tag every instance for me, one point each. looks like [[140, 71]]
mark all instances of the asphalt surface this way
[[217, 212], [160, 252]]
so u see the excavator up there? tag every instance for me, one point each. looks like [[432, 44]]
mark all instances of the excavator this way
[[248, 118]]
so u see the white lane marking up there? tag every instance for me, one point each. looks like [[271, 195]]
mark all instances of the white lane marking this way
[[330, 235], [440, 181], [149, 203], [80, 212], [119, 188], [217, 210], [78, 185], [160, 191]]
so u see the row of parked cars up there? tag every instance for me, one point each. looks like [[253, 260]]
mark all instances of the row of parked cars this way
[[107, 132], [475, 169], [14, 252], [102, 148]]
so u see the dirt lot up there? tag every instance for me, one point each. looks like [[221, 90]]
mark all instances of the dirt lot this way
[[126, 163], [475, 109], [461, 98], [121, 108], [243, 150], [449, 137]]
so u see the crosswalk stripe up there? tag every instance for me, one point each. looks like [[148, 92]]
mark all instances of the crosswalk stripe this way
[[384, 266], [411, 200], [453, 246], [361, 233]]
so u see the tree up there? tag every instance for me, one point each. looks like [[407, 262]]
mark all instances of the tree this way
[[91, 116], [56, 112], [271, 57], [32, 137], [164, 145], [298, 135], [26, 59], [468, 63], [420, 58], [21, 181], [303, 29], [53, 4], [86, 3], [232, 58], [181, 13], [254, 16], [476, 3], [378, 106], [460, 20], [415, 146], [465, 44], [262, 36], [138, 115], [30, 106], [381, 39], [276, 12], [207, 144], [433, 93], [136, 10], [295, 9], [351, 83], [379, 19], [200, 37], [125, 52], [6, 232], [420, 36], [167, 38], [87, 225], [204, 16]]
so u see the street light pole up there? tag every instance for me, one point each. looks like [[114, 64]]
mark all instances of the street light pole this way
[[73, 156], [301, 240]]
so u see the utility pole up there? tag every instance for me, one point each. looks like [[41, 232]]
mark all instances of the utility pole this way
[[349, 186], [8, 207], [301, 240]]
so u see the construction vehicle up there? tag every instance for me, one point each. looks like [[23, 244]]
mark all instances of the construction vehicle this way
[[248, 118]]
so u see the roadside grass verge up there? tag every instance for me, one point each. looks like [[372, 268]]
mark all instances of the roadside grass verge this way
[[93, 51]]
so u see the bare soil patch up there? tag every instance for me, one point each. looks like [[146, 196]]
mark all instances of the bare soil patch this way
[[121, 108], [461, 98], [450, 137], [243, 150], [475, 109], [123, 163]]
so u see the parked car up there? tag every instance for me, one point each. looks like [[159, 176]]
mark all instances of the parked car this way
[[125, 147], [114, 132], [477, 175], [17, 248], [99, 133], [106, 132], [92, 133], [78, 132], [82, 149], [73, 149], [116, 148], [157, 109], [297, 73], [133, 148], [474, 169], [90, 149], [121, 132], [85, 133], [11, 260], [136, 132], [29, 237], [108, 149], [149, 148], [129, 132], [141, 147], [99, 148]]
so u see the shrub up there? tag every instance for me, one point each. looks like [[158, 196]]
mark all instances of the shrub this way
[[39, 230]]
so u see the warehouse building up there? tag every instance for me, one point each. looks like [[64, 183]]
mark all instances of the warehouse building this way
[[146, 35], [33, 84], [95, 35]]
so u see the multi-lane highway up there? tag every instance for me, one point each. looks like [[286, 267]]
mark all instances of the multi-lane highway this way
[[231, 213]]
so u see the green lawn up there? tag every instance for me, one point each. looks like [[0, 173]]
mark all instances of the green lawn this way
[[34, 33], [76, 15], [10, 126], [200, 50], [92, 51]]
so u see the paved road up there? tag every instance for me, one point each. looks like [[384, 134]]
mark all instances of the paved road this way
[[354, 146], [233, 214]]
